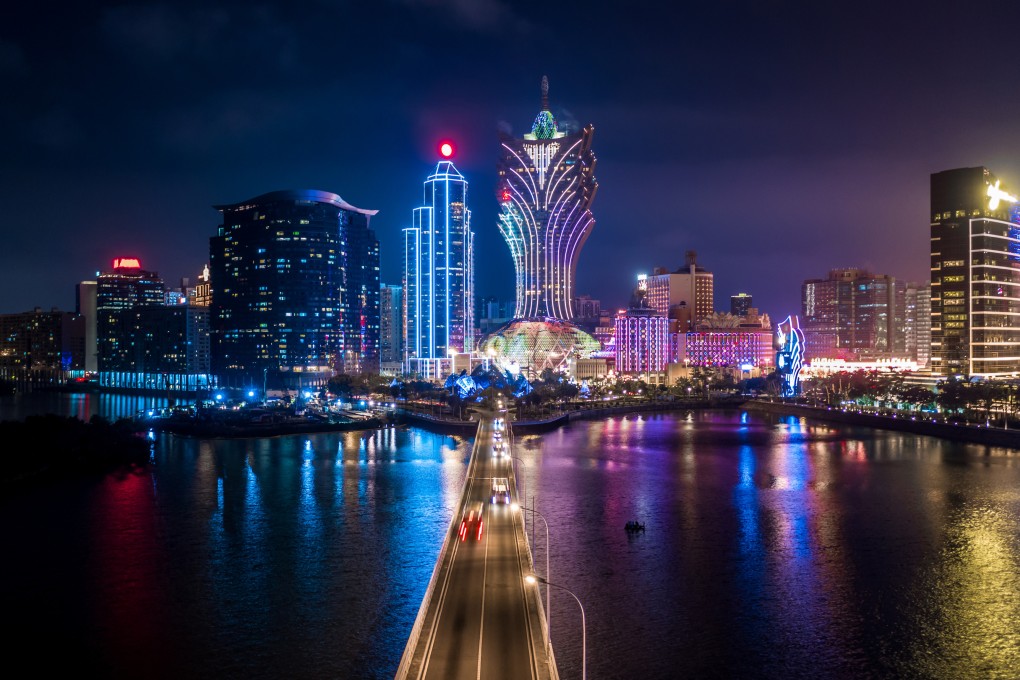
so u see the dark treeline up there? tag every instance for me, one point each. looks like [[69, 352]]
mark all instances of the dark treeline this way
[[48, 446]]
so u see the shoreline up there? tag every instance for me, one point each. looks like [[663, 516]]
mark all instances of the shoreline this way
[[925, 426]]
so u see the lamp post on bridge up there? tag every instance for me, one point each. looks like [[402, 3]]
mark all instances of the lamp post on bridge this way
[[524, 495], [548, 609], [531, 578]]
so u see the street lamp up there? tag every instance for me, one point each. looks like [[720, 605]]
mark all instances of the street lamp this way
[[265, 394], [524, 493], [531, 579], [548, 610]]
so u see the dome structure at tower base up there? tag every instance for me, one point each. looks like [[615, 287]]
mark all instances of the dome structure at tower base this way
[[533, 345]]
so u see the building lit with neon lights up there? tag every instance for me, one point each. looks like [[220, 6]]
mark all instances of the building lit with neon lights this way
[[545, 192], [546, 188], [736, 348], [975, 275], [789, 345], [295, 290], [439, 309], [642, 341]]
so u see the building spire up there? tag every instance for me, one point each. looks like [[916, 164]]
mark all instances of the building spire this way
[[545, 93]]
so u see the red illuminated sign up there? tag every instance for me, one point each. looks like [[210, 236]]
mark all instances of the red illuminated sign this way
[[127, 263]]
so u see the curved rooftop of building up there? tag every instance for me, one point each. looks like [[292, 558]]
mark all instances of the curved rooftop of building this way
[[297, 195]]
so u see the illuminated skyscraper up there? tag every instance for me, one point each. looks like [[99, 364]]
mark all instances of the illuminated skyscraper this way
[[546, 188], [295, 290], [438, 271], [126, 287], [975, 275]]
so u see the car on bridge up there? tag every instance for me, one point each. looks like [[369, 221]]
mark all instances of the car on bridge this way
[[500, 490], [471, 523]]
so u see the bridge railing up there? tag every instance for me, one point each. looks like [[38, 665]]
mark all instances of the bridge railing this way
[[419, 621]]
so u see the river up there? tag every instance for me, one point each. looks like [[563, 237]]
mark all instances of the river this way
[[775, 547]]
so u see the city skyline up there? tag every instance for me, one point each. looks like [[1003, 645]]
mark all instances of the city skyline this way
[[775, 142]]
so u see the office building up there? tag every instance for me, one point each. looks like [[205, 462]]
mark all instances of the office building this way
[[853, 314], [494, 313], [164, 347], [438, 273], [975, 284], [740, 304], [391, 326], [292, 297], [126, 286]]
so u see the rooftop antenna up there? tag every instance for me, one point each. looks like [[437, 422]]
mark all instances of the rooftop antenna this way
[[545, 93]]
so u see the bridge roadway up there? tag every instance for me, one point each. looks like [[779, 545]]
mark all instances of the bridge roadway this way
[[479, 619]]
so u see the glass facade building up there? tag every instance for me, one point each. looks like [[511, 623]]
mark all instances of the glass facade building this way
[[975, 275], [126, 287], [439, 316], [293, 298]]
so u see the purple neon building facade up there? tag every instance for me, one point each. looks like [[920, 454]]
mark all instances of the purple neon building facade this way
[[546, 188], [642, 342]]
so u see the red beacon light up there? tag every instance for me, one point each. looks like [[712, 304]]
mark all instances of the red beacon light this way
[[446, 149]]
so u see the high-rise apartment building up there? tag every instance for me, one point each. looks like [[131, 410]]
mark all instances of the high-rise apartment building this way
[[691, 287], [51, 341], [438, 271], [292, 295], [975, 283], [546, 188]]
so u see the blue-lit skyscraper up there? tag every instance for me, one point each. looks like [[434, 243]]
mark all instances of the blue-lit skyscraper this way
[[438, 273]]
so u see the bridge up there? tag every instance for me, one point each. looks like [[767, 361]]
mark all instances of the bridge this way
[[479, 618]]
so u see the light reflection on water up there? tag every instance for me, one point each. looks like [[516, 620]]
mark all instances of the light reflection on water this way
[[775, 547], [779, 547]]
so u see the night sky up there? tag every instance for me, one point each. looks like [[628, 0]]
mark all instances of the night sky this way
[[777, 139]]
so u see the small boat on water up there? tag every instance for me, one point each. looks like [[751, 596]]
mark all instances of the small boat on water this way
[[634, 526]]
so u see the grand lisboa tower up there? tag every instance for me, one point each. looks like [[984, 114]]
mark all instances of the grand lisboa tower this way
[[546, 188]]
